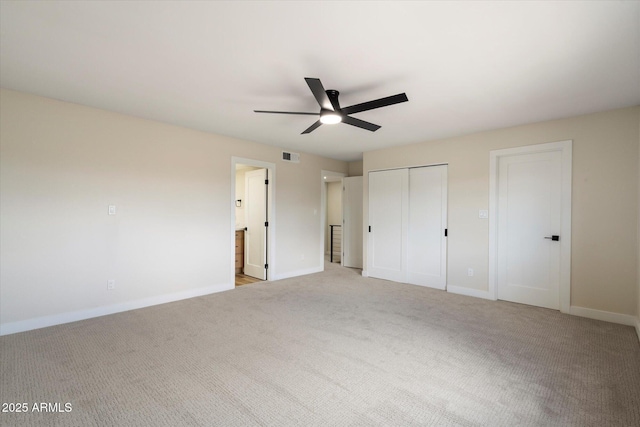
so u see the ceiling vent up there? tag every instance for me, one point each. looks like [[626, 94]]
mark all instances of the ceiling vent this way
[[291, 157]]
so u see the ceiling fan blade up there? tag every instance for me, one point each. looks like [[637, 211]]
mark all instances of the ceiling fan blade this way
[[312, 127], [284, 112], [360, 123], [318, 91], [382, 102]]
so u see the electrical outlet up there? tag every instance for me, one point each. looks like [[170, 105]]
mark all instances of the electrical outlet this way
[[483, 213], [112, 209], [111, 284], [470, 272]]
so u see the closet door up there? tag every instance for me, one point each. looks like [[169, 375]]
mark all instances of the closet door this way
[[426, 241], [388, 222]]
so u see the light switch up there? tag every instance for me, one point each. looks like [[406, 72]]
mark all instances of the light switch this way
[[112, 209], [483, 213]]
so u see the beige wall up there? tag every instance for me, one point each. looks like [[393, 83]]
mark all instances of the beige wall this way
[[604, 266], [61, 166], [355, 168]]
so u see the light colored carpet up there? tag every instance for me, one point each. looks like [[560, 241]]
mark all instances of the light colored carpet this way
[[329, 349]]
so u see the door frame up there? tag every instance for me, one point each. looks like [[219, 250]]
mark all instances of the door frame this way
[[271, 213], [565, 148], [323, 210]]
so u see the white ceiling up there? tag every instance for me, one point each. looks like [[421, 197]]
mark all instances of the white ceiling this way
[[465, 66]]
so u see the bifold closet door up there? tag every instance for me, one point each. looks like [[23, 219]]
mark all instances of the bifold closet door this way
[[408, 218], [426, 240], [388, 222]]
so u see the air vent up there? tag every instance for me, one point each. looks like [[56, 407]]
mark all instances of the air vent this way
[[291, 157]]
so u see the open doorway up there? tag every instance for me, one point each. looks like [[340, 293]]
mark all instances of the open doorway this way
[[333, 220], [341, 222], [252, 185]]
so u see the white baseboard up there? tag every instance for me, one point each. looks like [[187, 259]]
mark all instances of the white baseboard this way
[[298, 273], [74, 316], [607, 316], [438, 288], [364, 273], [469, 292]]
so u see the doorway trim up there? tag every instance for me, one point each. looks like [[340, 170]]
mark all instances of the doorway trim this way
[[565, 147], [323, 211], [271, 213]]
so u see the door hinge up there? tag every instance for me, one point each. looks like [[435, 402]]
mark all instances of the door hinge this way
[[266, 224], [369, 229], [266, 182], [445, 232], [266, 266]]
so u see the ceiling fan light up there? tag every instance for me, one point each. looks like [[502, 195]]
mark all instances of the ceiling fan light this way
[[330, 118]]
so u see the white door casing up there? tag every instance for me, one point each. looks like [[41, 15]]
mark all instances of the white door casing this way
[[352, 221], [427, 243], [388, 219], [530, 200], [255, 219]]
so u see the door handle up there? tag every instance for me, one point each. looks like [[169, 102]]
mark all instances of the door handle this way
[[554, 238]]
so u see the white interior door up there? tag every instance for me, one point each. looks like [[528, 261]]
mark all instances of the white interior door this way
[[352, 222], [529, 214], [255, 253], [426, 242], [388, 220]]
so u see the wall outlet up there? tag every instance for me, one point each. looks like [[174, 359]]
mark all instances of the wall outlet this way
[[111, 284], [483, 213], [470, 272], [112, 209]]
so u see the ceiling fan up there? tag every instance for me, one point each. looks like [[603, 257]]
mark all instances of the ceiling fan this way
[[331, 112]]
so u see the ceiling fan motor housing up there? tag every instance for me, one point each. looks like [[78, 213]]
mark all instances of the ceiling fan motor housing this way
[[333, 97]]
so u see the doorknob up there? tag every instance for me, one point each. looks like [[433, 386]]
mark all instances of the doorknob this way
[[554, 238]]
